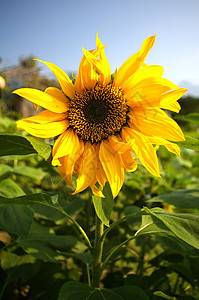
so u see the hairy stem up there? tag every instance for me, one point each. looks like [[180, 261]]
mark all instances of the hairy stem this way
[[97, 253]]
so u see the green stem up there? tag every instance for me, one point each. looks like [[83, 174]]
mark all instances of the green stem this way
[[3, 289], [97, 253], [80, 229], [140, 268], [88, 274], [123, 219], [77, 226]]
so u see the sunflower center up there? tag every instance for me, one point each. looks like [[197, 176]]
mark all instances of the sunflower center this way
[[96, 114]]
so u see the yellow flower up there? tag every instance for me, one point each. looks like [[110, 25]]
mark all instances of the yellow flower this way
[[105, 124]]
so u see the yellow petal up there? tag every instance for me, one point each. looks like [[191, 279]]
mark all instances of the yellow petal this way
[[100, 48], [47, 130], [72, 147], [43, 99], [129, 163], [63, 79], [170, 146], [133, 63], [113, 167], [142, 74], [100, 177], [168, 100], [101, 65], [173, 107], [173, 148], [143, 148], [65, 168], [148, 89], [36, 106], [155, 122], [56, 93], [96, 192], [118, 145], [68, 143], [87, 168], [157, 98], [57, 162], [100, 174], [47, 116], [86, 78], [99, 44]]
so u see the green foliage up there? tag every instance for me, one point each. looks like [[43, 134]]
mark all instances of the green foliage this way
[[79, 291], [192, 118], [190, 143], [19, 145], [187, 199], [104, 206], [151, 238], [184, 226]]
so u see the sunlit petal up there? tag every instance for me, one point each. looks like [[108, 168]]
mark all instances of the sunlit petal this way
[[47, 130], [132, 64], [156, 122], [63, 79], [143, 148], [43, 99], [87, 168], [113, 167], [129, 162], [68, 144], [86, 78], [47, 116]]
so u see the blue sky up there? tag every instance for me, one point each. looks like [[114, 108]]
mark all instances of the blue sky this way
[[55, 31]]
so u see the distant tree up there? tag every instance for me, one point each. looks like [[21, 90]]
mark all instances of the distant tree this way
[[27, 62]]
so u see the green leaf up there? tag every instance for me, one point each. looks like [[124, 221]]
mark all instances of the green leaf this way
[[45, 245], [158, 295], [74, 206], [47, 212], [132, 210], [192, 118], [8, 188], [44, 199], [35, 174], [41, 148], [184, 226], [4, 169], [104, 206], [11, 260], [79, 291], [19, 145], [14, 219], [151, 224], [101, 210], [188, 198], [52, 210], [40, 198], [36, 200], [16, 267], [190, 143]]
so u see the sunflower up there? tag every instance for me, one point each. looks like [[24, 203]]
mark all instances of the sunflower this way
[[103, 122]]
